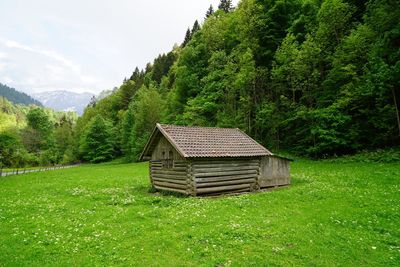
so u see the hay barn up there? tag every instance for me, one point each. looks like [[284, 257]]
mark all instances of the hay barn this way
[[211, 161]]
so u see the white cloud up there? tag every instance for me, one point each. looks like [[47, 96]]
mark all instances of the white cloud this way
[[6, 80], [48, 53], [3, 66], [43, 70], [89, 79], [69, 45], [14, 44]]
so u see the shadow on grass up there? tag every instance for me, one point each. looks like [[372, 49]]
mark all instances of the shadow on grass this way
[[158, 192]]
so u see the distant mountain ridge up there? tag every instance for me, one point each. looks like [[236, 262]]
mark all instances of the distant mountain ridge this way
[[61, 100], [17, 97]]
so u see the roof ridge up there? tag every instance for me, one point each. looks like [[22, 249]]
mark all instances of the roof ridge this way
[[206, 127]]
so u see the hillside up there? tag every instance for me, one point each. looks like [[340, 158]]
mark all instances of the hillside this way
[[33, 135], [284, 72], [17, 97], [64, 100]]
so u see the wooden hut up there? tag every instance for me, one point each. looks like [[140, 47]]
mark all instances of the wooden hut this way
[[205, 160]]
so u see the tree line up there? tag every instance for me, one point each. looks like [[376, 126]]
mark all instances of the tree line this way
[[316, 78], [17, 97], [313, 77], [36, 136]]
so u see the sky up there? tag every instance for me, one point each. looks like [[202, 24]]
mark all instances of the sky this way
[[87, 45]]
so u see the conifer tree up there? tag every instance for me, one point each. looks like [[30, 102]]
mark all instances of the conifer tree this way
[[210, 11], [195, 28], [97, 144], [225, 5], [188, 35]]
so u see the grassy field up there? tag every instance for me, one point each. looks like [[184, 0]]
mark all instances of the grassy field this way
[[334, 214]]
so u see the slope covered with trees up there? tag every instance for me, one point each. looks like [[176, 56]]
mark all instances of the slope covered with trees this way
[[316, 78], [32, 135], [17, 97]]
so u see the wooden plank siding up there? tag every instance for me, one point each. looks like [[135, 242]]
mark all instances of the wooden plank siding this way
[[217, 176], [214, 176], [274, 171], [172, 179], [168, 169], [164, 150]]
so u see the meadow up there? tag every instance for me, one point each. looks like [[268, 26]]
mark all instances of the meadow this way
[[333, 214]]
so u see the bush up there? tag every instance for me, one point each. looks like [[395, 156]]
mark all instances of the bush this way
[[391, 155]]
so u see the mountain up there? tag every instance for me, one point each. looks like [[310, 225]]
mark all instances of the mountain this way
[[17, 97], [64, 100]]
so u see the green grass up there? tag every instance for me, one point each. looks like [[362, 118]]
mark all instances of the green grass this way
[[334, 214]]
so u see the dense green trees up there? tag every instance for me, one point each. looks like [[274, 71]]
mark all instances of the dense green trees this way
[[317, 78], [39, 133], [145, 110], [17, 97], [225, 5], [32, 135], [97, 142]]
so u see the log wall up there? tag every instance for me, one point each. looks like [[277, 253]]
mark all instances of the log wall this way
[[170, 179], [217, 176]]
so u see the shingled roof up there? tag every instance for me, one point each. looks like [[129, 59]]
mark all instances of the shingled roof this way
[[205, 142]]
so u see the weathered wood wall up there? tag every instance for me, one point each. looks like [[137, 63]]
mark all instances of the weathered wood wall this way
[[274, 171], [216, 176], [212, 176], [170, 179], [163, 146], [168, 170]]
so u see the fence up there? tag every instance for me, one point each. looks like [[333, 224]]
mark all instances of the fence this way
[[40, 169]]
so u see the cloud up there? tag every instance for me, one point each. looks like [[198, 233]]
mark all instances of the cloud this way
[[6, 80], [3, 66], [33, 69], [69, 45], [48, 53]]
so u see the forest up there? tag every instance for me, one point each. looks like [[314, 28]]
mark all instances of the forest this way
[[316, 78], [35, 136], [17, 97]]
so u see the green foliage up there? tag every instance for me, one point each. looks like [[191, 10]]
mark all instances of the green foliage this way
[[163, 63], [378, 156], [225, 5], [11, 116], [210, 11], [144, 112], [98, 141], [316, 78], [34, 135], [12, 152], [17, 97], [39, 133], [187, 38]]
